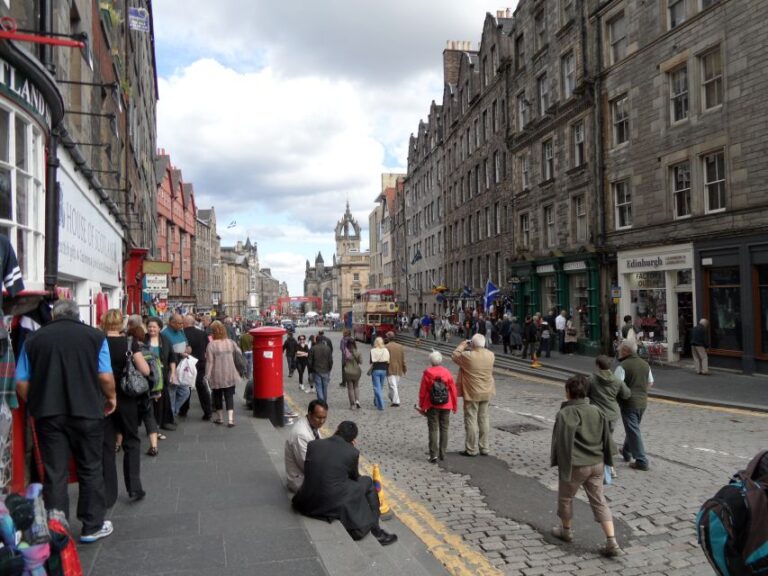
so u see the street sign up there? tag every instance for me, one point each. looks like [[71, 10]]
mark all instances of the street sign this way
[[156, 282], [138, 19], [615, 292]]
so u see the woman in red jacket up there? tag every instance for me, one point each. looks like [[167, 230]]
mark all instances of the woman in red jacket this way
[[437, 397]]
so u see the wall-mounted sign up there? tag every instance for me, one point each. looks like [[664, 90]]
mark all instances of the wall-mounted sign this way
[[14, 83], [155, 282], [580, 265], [545, 269]]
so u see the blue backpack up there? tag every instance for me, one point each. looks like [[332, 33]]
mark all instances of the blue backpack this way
[[732, 526]]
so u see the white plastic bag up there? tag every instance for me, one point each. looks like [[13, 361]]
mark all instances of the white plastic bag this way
[[186, 371]]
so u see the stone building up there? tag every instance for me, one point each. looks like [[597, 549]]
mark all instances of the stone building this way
[[341, 284], [202, 265], [380, 231], [235, 282], [683, 114], [268, 290], [553, 263], [210, 279]]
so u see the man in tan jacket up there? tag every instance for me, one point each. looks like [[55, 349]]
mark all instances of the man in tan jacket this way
[[477, 387], [397, 367]]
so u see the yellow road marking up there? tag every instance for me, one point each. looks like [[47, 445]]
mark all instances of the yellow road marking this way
[[448, 548]]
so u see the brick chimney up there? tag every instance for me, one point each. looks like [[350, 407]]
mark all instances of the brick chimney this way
[[452, 59]]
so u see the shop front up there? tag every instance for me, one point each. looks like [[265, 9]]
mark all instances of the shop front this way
[[655, 287], [569, 283], [733, 296], [90, 245]]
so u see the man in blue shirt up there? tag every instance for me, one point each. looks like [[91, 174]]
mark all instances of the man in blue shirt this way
[[64, 373], [177, 393]]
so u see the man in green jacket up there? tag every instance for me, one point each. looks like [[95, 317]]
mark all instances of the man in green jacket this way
[[581, 447], [636, 374]]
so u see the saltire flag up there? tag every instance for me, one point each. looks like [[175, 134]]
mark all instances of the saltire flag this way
[[490, 293], [416, 257], [467, 292]]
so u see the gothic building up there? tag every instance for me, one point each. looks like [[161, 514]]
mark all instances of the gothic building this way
[[341, 284]]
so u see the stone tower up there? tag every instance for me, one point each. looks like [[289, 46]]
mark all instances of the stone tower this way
[[347, 234]]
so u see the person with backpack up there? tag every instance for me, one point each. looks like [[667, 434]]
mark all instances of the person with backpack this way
[[437, 398], [604, 391], [146, 403]]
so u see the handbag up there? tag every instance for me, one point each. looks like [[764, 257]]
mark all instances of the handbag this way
[[239, 358], [132, 382]]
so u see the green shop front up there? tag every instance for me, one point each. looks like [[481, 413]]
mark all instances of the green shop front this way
[[569, 283]]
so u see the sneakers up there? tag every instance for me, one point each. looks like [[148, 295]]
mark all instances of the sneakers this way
[[611, 548], [105, 530], [636, 465], [564, 534], [302, 388]]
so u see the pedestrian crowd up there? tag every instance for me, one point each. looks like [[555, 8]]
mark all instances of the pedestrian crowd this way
[[88, 401]]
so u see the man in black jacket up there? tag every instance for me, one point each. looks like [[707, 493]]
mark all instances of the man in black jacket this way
[[289, 348], [320, 364], [334, 490], [198, 341], [699, 346], [65, 375]]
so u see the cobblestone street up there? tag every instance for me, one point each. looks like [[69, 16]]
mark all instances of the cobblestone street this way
[[693, 450]]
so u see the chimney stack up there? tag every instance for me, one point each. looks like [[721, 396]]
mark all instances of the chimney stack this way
[[452, 58]]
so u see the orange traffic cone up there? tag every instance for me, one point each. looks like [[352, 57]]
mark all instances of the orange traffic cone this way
[[385, 512]]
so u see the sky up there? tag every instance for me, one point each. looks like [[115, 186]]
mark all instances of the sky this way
[[281, 112]]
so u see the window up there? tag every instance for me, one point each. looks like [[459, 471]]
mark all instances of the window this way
[[471, 229], [677, 13], [580, 217], [494, 61], [678, 93], [712, 79], [477, 133], [707, 3], [21, 192], [543, 90], [761, 275], [623, 200], [577, 135], [356, 276], [569, 75], [617, 38], [714, 181], [495, 116], [724, 314], [486, 126], [496, 167], [540, 24], [525, 170], [547, 160], [522, 111], [487, 173], [488, 222], [497, 218], [566, 11], [525, 231], [486, 76], [620, 112], [549, 225], [519, 52], [680, 175]]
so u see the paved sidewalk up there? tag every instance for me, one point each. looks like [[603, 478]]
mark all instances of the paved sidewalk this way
[[215, 505]]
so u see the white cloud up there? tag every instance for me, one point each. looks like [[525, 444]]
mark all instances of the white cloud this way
[[281, 112]]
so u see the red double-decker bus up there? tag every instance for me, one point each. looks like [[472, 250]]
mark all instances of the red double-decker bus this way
[[375, 313]]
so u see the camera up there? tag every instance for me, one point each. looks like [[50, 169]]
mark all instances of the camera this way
[[468, 342]]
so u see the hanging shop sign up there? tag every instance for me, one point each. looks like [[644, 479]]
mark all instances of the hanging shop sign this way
[[15, 84]]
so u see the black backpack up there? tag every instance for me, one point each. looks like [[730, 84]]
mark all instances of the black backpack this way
[[438, 395], [732, 526]]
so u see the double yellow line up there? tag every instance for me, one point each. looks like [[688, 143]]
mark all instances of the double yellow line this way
[[448, 548]]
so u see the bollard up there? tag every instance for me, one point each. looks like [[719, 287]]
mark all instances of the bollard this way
[[385, 512]]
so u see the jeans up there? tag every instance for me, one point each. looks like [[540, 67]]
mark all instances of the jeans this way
[[544, 347], [437, 421], [633, 442], [179, 394], [58, 435], [379, 377], [321, 385], [476, 426]]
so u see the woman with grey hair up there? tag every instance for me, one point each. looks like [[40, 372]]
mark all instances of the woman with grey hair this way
[[437, 397]]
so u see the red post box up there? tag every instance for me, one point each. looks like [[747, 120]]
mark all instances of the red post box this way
[[268, 373]]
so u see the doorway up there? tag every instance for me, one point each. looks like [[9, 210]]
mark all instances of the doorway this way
[[685, 322]]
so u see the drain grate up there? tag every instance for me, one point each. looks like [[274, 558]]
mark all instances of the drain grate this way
[[519, 428]]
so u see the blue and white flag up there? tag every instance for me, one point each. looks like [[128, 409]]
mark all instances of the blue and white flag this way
[[490, 294], [467, 292]]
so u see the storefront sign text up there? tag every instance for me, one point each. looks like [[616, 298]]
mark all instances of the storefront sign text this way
[[644, 263], [545, 269], [155, 282], [24, 91], [581, 265], [677, 260]]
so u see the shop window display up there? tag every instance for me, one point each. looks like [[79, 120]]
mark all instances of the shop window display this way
[[649, 304], [548, 294], [579, 304], [725, 307], [762, 279]]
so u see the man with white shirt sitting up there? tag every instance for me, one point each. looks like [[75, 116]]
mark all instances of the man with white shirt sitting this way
[[304, 431]]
